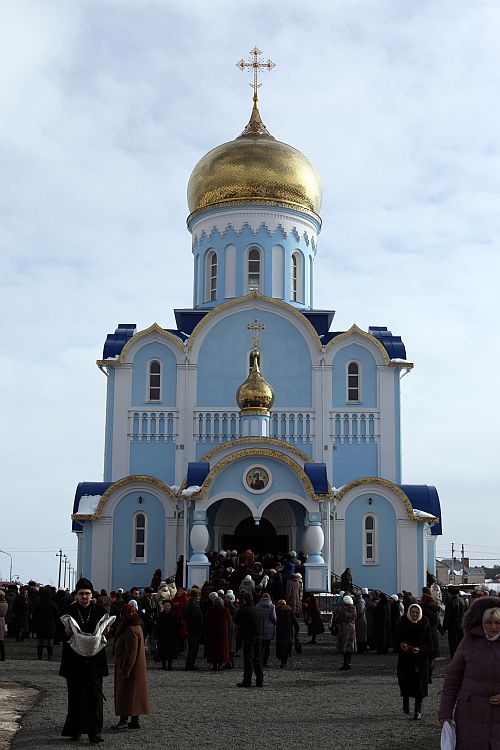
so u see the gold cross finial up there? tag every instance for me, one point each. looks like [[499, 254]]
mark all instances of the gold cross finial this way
[[256, 64], [256, 327]]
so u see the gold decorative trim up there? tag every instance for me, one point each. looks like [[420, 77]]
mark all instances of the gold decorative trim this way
[[248, 411], [355, 329], [256, 202], [135, 479], [389, 486], [264, 453], [267, 441], [155, 328], [247, 298]]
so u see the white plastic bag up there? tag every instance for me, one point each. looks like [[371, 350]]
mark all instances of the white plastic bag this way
[[448, 736]]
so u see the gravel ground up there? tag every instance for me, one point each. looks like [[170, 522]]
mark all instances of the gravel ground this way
[[310, 704]]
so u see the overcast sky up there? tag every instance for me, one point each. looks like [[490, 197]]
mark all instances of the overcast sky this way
[[105, 108]]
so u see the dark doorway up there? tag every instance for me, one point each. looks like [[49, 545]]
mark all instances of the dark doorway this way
[[261, 538]]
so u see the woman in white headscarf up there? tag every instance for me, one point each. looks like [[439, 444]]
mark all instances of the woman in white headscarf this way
[[415, 650]]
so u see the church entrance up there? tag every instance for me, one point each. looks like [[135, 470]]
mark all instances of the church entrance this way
[[262, 538]]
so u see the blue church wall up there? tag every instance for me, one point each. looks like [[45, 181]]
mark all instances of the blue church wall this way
[[354, 460], [154, 350], [242, 241], [283, 480], [385, 570], [397, 423], [126, 573], [222, 368], [86, 542], [108, 437], [154, 459], [368, 380]]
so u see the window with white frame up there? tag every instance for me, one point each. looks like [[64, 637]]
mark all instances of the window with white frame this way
[[353, 382], [254, 269], [154, 381], [211, 277], [369, 540], [139, 551], [297, 277]]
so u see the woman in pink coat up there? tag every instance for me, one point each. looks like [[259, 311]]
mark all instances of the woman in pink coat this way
[[472, 682]]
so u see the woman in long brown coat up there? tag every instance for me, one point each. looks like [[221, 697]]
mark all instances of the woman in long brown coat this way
[[217, 622], [131, 684]]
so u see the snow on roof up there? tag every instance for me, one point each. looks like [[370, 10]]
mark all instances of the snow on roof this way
[[88, 504], [422, 514], [192, 490]]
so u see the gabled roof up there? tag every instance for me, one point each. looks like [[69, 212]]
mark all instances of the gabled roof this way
[[425, 497]]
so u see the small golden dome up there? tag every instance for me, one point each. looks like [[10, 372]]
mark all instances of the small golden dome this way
[[255, 394], [254, 168]]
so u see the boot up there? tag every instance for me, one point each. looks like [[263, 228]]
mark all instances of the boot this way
[[346, 664], [418, 710], [406, 705]]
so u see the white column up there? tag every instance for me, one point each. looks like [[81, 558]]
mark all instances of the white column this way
[[121, 449], [387, 442]]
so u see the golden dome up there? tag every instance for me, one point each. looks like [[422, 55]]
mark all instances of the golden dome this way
[[255, 395], [254, 168]]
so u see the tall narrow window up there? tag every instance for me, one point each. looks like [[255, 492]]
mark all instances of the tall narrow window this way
[[211, 277], [254, 269], [139, 547], [353, 386], [369, 540], [294, 277], [154, 386]]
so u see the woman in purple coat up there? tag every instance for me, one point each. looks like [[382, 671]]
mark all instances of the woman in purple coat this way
[[472, 682]]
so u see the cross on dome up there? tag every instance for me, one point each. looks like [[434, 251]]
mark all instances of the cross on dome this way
[[256, 327], [256, 64]]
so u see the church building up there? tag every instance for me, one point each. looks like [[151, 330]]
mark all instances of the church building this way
[[254, 423]]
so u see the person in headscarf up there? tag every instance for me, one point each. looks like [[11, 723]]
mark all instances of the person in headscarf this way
[[131, 684], [345, 619], [414, 652], [472, 681], [83, 673]]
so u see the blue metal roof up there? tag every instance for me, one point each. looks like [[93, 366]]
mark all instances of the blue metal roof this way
[[425, 497], [116, 341], [87, 488], [321, 320], [318, 477], [392, 344], [197, 473]]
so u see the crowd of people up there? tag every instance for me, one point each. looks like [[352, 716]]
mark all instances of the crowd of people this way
[[251, 607]]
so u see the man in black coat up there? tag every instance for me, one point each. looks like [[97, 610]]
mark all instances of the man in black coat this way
[[193, 617], [453, 616], [249, 620], [83, 673]]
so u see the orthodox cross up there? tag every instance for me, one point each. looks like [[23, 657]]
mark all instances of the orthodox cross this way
[[256, 64], [256, 327]]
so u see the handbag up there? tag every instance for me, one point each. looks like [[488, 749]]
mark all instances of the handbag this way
[[298, 645], [448, 736]]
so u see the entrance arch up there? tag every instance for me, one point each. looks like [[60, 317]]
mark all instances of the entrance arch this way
[[262, 538]]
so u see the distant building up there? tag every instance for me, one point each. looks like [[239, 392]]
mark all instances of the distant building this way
[[203, 453], [452, 572]]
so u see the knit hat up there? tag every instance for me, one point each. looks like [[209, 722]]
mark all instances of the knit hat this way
[[213, 595], [221, 592], [247, 578], [347, 599], [395, 597], [364, 590], [84, 583], [230, 596]]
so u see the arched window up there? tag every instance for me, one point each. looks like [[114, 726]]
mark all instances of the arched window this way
[[297, 277], [139, 550], [211, 280], [154, 381], [353, 382], [254, 269], [369, 540]]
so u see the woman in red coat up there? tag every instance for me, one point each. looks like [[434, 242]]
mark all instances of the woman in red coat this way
[[217, 623], [472, 682]]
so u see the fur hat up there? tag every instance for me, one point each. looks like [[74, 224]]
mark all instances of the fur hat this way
[[412, 606], [347, 599], [84, 583]]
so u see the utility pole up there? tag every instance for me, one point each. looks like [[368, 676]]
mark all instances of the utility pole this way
[[453, 562], [65, 561], [463, 560], [59, 555]]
